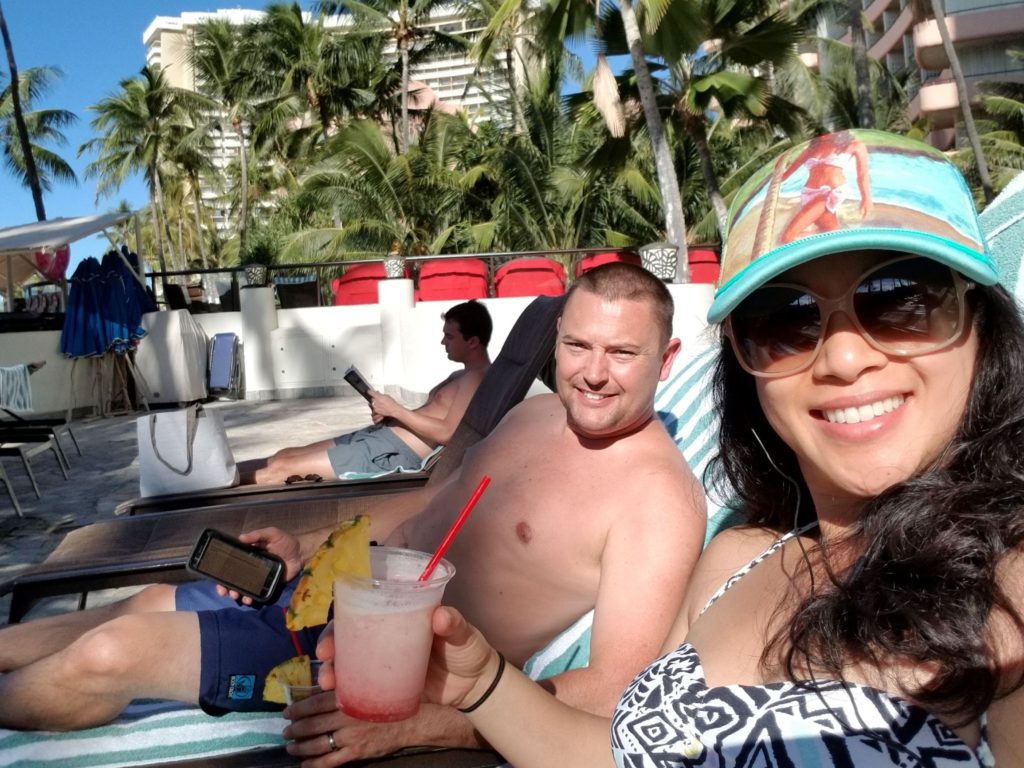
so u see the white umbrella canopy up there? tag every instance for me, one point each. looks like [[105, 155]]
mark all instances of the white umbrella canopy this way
[[18, 244]]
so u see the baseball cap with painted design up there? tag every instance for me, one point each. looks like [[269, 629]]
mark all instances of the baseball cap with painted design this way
[[847, 191]]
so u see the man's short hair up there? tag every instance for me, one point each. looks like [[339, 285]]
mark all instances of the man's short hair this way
[[473, 319], [619, 280]]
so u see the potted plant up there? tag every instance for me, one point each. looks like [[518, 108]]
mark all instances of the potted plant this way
[[260, 252], [394, 262]]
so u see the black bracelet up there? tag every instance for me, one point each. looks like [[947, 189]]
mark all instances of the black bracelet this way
[[490, 689]]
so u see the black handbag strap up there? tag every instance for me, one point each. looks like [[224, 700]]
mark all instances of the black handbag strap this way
[[191, 426]]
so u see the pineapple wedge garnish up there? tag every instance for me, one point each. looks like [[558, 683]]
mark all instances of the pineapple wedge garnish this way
[[294, 671], [347, 550]]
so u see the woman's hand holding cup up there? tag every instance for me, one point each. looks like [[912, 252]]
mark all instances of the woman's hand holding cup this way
[[463, 665]]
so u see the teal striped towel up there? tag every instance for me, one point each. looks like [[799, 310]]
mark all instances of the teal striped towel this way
[[15, 390], [147, 732], [1003, 223]]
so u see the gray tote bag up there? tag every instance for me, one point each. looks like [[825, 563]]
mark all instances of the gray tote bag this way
[[182, 451]]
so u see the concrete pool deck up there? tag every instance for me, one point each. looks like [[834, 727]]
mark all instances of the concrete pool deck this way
[[107, 474]]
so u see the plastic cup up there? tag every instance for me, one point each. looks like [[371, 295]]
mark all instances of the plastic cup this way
[[383, 634], [293, 693]]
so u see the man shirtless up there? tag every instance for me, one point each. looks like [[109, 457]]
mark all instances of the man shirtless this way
[[590, 506], [399, 437]]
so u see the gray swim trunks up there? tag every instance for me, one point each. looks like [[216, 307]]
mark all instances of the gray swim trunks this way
[[372, 449]]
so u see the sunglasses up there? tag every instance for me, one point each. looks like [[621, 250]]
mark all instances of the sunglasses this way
[[904, 307]]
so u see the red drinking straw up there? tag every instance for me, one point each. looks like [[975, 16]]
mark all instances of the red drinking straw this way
[[450, 536]]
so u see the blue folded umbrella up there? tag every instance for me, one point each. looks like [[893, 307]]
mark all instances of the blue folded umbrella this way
[[83, 334], [105, 306]]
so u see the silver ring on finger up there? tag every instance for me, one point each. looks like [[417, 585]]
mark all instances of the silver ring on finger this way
[[331, 742]]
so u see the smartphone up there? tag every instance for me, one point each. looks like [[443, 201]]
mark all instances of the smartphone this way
[[358, 382], [249, 570]]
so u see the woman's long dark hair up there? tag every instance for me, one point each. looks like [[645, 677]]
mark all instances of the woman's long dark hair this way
[[922, 588]]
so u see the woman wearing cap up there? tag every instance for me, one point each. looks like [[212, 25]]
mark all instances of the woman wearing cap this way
[[871, 387]]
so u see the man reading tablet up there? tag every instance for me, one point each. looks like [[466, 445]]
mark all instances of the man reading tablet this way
[[399, 436]]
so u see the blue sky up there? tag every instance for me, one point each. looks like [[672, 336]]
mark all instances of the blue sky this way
[[97, 44]]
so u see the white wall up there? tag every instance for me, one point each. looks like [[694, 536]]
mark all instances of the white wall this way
[[304, 352], [60, 382], [313, 346]]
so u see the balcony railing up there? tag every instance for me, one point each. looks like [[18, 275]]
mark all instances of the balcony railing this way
[[323, 272]]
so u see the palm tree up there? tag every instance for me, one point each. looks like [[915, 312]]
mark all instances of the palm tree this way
[[965, 105], [401, 22], [42, 125], [220, 65], [188, 159], [383, 196], [31, 175], [670, 27], [1003, 102], [134, 126], [509, 47], [725, 76], [937, 12], [561, 183], [858, 44], [300, 67]]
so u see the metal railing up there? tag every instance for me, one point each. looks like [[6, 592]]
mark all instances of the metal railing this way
[[324, 271]]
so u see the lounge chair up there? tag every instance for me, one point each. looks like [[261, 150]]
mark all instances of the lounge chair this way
[[6, 481], [681, 405], [305, 489], [298, 292], [526, 355], [143, 549], [27, 443], [59, 426]]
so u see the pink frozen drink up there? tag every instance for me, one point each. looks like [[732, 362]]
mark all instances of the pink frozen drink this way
[[382, 634]]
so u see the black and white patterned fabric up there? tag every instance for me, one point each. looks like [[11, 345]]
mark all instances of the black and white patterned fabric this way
[[669, 717]]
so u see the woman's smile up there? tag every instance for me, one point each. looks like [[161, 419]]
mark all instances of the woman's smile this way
[[857, 414]]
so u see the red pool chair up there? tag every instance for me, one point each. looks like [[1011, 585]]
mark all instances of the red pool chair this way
[[529, 277], [597, 259], [452, 279], [704, 265], [359, 284]]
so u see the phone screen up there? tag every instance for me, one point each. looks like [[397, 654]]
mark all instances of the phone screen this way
[[235, 565]]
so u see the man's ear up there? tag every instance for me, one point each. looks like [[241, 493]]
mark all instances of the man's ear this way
[[668, 357]]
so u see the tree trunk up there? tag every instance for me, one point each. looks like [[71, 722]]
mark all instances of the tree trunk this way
[[243, 178], [198, 198], [161, 223], [31, 173], [965, 106], [513, 92], [158, 240], [403, 49], [181, 243], [824, 67], [675, 224], [695, 130], [865, 110]]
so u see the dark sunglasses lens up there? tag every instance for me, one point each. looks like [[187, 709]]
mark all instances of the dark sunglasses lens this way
[[776, 329], [910, 306]]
